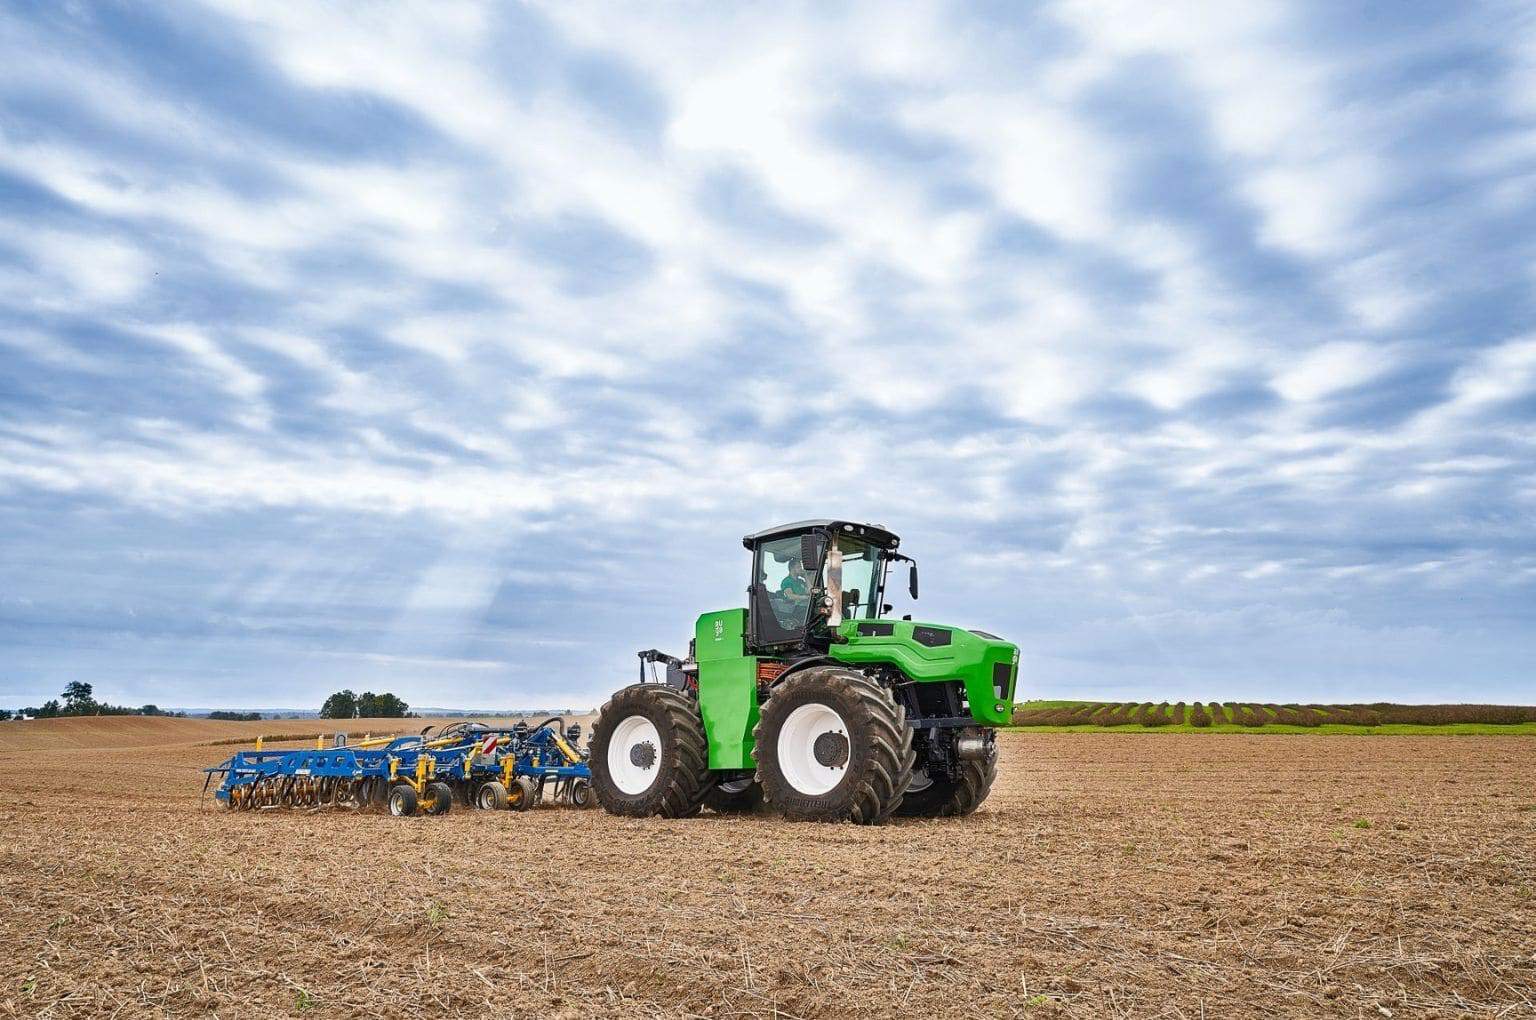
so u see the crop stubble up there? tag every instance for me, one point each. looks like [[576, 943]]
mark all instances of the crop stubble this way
[[1140, 875]]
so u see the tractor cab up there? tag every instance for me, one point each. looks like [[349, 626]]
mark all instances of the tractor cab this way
[[810, 576]]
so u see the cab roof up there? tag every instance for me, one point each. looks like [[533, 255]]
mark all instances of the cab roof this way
[[873, 533]]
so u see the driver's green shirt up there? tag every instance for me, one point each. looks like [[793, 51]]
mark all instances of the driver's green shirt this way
[[794, 585]]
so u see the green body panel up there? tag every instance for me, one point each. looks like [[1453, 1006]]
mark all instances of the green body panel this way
[[728, 676], [969, 658], [721, 635], [727, 687]]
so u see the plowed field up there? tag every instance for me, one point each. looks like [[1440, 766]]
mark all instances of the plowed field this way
[[1140, 875]]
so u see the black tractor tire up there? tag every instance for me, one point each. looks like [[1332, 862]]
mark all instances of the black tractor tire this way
[[402, 801], [875, 750], [441, 795], [667, 742], [731, 797], [952, 798], [521, 794], [491, 796]]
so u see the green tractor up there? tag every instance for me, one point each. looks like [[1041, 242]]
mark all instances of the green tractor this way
[[811, 700]]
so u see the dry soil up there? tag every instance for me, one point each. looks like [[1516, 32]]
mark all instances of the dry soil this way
[[1109, 874]]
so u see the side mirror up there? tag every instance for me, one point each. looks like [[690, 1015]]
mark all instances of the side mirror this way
[[810, 550], [912, 582]]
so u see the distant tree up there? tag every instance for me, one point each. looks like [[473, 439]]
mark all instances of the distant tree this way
[[341, 705], [49, 710], [380, 706], [235, 716], [150, 710], [78, 699], [5, 713]]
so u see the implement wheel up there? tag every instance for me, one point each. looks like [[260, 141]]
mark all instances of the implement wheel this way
[[402, 801], [491, 796], [581, 793], [520, 794], [943, 797], [833, 746], [439, 798], [649, 754]]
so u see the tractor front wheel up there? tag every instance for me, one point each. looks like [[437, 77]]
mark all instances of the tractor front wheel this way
[[942, 797], [649, 754], [833, 746]]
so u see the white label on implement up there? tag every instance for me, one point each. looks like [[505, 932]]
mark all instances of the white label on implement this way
[[301, 772]]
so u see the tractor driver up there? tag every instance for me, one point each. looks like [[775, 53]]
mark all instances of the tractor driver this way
[[796, 586], [794, 591]]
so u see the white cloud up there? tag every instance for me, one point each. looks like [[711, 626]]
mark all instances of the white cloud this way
[[424, 334], [1330, 368]]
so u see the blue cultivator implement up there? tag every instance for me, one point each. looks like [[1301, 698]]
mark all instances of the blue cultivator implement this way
[[520, 766], [487, 767]]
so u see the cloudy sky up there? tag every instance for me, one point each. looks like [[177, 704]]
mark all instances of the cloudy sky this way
[[451, 350]]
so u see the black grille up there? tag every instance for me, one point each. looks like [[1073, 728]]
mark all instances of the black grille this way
[[1002, 679], [876, 629], [933, 637]]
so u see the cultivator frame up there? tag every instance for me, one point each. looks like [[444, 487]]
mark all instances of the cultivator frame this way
[[533, 763], [368, 773], [478, 765]]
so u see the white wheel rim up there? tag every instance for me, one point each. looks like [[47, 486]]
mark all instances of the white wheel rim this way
[[797, 749], [632, 768], [921, 780]]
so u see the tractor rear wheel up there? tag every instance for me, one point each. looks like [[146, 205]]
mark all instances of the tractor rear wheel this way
[[833, 746], [649, 754], [740, 796], [942, 797]]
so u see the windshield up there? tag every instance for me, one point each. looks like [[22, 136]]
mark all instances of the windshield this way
[[860, 581], [783, 586]]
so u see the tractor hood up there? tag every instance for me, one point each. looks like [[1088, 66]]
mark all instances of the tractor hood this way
[[986, 665]]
